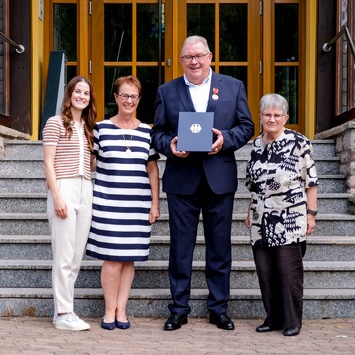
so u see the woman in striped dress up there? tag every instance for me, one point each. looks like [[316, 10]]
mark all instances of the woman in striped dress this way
[[125, 201]]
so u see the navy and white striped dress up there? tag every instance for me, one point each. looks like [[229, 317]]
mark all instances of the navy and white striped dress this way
[[120, 228]]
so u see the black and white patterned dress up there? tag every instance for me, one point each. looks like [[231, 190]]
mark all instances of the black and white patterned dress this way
[[278, 175], [120, 229]]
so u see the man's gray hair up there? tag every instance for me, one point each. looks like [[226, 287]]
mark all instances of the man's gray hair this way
[[195, 39]]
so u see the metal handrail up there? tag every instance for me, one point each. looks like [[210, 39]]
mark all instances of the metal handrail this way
[[19, 47], [328, 46]]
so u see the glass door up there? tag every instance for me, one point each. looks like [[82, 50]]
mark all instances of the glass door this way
[[283, 60], [126, 40], [66, 28], [233, 31], [258, 42]]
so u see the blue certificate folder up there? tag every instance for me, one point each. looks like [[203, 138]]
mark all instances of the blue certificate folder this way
[[195, 131]]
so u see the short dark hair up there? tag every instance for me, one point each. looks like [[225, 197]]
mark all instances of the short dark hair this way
[[131, 80]]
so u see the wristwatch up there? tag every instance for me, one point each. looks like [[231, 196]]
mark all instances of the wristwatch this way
[[312, 212]]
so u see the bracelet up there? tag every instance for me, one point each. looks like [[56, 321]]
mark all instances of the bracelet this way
[[312, 212]]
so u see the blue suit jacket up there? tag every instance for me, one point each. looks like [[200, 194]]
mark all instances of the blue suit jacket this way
[[231, 116]]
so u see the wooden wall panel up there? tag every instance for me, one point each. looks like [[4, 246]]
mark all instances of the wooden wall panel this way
[[326, 66], [20, 67]]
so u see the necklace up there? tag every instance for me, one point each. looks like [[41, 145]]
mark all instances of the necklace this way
[[128, 150]]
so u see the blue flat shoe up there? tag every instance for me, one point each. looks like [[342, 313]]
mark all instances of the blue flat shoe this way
[[123, 325], [108, 326]]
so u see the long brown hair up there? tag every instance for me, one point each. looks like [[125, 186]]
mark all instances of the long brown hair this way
[[88, 114]]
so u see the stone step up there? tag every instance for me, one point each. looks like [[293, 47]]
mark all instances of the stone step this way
[[154, 274], [244, 304], [21, 168], [27, 185], [25, 150], [36, 203], [324, 165], [33, 150], [38, 247], [34, 168], [25, 250], [37, 224], [22, 184], [321, 149]]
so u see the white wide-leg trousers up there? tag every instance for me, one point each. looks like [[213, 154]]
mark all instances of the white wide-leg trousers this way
[[69, 237]]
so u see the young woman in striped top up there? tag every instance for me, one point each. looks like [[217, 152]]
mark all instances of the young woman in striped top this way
[[68, 141]]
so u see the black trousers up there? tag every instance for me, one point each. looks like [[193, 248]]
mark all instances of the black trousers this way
[[280, 273], [184, 212]]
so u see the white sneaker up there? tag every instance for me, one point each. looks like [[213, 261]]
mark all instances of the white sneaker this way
[[70, 321]]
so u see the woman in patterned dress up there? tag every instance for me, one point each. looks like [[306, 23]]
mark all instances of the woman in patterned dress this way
[[282, 180], [125, 201]]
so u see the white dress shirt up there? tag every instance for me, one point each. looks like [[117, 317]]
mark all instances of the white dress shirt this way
[[199, 93]]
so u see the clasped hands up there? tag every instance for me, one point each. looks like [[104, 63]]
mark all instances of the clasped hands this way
[[216, 146]]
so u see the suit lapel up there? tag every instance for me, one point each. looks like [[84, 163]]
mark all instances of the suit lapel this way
[[184, 95]]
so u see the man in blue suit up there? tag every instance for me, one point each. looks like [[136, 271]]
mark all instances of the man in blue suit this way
[[196, 181]]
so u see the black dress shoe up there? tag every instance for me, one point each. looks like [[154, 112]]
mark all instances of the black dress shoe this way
[[264, 328], [222, 321], [291, 332], [175, 321]]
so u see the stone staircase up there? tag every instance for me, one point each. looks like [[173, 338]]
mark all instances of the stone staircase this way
[[25, 251]]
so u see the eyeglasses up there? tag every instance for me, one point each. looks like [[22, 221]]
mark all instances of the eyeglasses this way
[[125, 97], [199, 57], [276, 116]]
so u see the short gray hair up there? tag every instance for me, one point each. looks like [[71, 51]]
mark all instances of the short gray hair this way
[[195, 39], [274, 101]]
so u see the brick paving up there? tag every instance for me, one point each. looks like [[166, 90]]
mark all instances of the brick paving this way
[[36, 335]]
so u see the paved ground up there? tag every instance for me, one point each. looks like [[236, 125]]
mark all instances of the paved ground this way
[[27, 335]]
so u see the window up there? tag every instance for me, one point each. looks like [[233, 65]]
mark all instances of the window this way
[[345, 90]]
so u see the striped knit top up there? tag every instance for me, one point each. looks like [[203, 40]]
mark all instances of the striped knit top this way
[[72, 158]]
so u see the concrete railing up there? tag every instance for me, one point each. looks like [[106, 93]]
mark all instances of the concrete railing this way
[[6, 132], [345, 148]]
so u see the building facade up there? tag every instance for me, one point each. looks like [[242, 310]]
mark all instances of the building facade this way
[[271, 45]]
